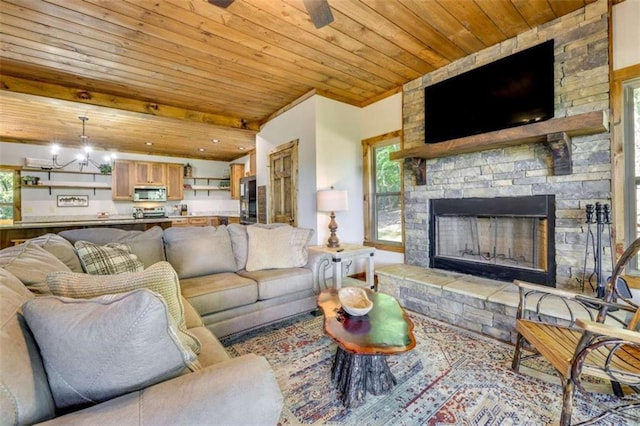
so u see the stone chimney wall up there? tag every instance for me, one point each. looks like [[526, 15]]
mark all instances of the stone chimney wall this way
[[581, 85]]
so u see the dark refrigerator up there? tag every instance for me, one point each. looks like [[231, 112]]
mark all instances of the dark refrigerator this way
[[248, 200]]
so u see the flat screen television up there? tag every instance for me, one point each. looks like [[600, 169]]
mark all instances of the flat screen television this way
[[509, 92]]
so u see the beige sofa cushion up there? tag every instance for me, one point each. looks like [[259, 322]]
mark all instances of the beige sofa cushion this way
[[96, 349], [98, 235], [147, 245], [197, 251], [60, 248], [278, 282], [112, 258], [160, 278], [281, 247], [31, 264], [25, 396], [215, 293]]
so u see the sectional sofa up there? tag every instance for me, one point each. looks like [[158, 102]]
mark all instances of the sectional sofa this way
[[119, 327]]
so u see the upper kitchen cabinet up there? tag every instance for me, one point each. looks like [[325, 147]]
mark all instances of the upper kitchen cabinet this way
[[122, 178], [236, 173], [175, 181], [149, 173]]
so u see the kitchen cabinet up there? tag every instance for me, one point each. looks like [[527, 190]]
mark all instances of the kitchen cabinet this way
[[190, 221], [236, 172], [175, 182], [204, 220], [122, 178], [150, 173]]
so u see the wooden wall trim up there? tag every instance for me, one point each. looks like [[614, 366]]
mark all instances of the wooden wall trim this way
[[19, 85], [618, 77]]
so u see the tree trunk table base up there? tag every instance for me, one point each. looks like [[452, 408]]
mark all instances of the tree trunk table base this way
[[354, 375]]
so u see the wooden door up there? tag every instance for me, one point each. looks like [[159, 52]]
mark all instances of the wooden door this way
[[121, 187], [175, 182], [283, 176]]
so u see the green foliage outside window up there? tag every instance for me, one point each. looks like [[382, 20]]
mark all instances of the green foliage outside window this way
[[6, 195], [387, 197]]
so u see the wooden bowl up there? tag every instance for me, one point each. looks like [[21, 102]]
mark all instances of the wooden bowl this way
[[354, 301]]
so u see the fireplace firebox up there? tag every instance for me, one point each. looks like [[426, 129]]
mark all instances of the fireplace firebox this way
[[502, 238]]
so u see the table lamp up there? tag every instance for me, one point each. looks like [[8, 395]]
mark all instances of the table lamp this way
[[332, 200]]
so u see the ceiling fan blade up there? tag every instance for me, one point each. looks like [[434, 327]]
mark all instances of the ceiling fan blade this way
[[319, 11], [221, 3]]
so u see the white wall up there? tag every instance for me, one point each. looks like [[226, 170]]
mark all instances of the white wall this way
[[37, 202], [339, 164], [297, 123], [330, 135], [382, 117], [626, 34]]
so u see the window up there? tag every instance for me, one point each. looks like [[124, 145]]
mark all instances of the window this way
[[632, 159], [7, 196], [383, 193]]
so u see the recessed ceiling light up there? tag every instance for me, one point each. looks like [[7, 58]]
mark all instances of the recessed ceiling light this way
[[148, 143], [201, 149], [241, 148], [215, 140]]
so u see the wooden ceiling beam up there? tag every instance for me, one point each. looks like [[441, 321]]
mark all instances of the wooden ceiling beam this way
[[15, 84]]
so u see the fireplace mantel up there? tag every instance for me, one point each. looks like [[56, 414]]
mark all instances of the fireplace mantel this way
[[556, 132]]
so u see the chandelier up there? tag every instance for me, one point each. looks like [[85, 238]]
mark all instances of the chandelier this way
[[83, 159]]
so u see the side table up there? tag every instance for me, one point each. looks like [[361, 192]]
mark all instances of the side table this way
[[345, 253]]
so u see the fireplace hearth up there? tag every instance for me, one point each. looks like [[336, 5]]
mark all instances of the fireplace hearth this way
[[502, 238]]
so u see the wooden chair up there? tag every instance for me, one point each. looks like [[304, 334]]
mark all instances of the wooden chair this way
[[598, 337]]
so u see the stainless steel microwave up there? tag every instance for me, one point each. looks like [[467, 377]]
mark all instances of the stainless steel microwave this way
[[150, 193]]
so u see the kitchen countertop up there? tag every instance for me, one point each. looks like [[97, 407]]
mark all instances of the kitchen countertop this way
[[52, 221], [62, 223]]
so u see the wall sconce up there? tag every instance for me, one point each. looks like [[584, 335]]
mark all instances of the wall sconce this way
[[332, 200]]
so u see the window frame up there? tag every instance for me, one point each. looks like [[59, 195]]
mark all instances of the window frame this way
[[368, 154], [631, 179]]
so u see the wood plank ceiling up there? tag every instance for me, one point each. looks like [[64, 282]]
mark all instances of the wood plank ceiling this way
[[182, 73]]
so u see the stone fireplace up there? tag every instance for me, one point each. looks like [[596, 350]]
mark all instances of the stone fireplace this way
[[526, 169], [504, 238]]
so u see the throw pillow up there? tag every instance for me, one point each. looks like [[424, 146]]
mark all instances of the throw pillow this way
[[299, 241], [147, 245], [160, 278], [60, 248], [273, 248], [31, 264], [113, 258], [197, 251], [94, 350], [239, 240]]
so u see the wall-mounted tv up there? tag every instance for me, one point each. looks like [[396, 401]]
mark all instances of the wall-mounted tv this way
[[509, 92]]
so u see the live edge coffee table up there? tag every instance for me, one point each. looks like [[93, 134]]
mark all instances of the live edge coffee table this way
[[364, 342]]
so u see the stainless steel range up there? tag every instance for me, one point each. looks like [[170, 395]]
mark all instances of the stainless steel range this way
[[149, 212]]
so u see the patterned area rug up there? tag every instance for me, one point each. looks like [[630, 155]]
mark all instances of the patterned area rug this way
[[452, 377]]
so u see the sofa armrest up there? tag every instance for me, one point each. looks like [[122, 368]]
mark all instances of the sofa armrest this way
[[240, 391], [319, 263]]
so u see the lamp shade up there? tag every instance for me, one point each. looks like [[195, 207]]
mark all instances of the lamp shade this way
[[332, 200]]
